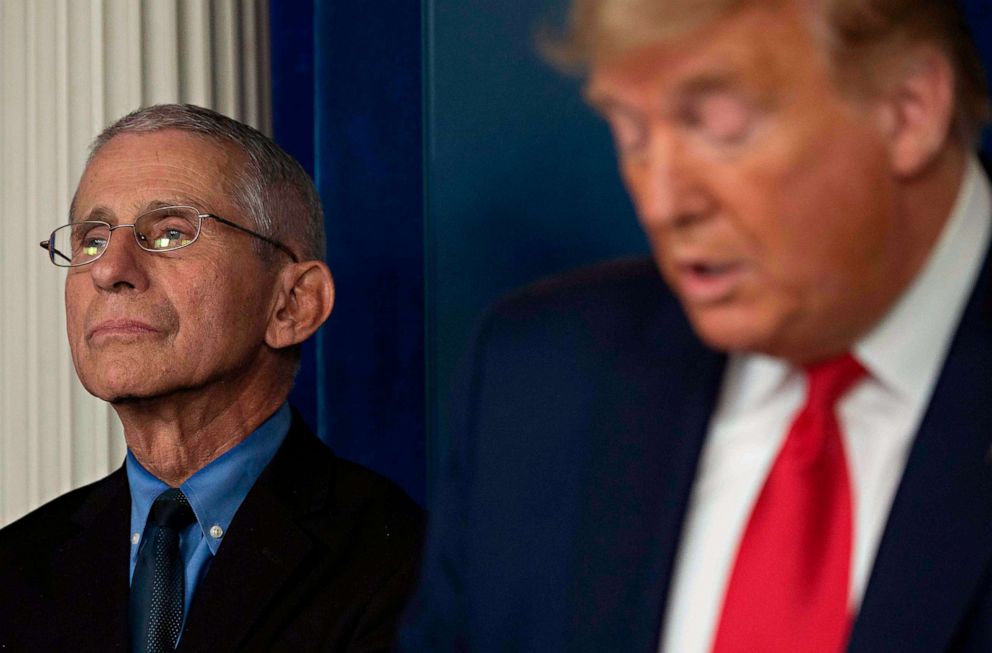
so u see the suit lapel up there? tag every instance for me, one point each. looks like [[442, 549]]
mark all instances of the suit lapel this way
[[938, 539], [95, 611], [266, 545], [647, 443]]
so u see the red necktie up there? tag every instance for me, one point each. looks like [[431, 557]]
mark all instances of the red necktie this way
[[789, 589]]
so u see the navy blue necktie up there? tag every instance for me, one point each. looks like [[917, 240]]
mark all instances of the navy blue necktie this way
[[156, 602]]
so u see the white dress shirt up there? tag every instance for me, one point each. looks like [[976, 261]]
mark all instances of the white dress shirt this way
[[879, 417]]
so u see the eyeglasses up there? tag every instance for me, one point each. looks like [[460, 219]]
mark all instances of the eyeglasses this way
[[161, 230]]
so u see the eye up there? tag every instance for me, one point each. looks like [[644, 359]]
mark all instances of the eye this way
[[89, 239], [162, 231], [725, 118], [628, 131], [92, 246]]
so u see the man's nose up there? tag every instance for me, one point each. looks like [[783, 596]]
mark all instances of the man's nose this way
[[122, 265], [666, 182]]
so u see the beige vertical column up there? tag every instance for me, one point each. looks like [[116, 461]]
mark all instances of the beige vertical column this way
[[67, 69]]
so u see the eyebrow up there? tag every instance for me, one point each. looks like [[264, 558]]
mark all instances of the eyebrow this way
[[175, 200], [607, 106], [699, 85], [100, 213], [710, 83], [104, 214]]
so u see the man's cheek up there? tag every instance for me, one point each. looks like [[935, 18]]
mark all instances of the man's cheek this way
[[73, 329]]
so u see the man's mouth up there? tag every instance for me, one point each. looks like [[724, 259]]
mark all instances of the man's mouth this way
[[121, 327], [708, 282]]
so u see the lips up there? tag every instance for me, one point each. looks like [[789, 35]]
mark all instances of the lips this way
[[120, 327], [704, 281]]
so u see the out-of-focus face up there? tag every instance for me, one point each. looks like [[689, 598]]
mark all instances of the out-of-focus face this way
[[145, 325], [766, 192]]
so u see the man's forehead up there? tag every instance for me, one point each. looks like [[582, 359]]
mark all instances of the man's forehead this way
[[724, 53], [136, 172]]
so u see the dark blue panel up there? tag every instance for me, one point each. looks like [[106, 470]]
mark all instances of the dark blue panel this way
[[292, 37], [522, 180], [979, 13], [369, 172]]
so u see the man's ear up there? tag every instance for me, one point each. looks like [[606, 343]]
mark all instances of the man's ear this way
[[304, 300], [918, 109]]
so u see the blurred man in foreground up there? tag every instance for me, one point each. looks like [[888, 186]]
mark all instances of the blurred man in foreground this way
[[194, 253], [781, 443]]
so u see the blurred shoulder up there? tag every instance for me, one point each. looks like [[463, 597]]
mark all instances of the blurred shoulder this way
[[611, 304], [619, 283]]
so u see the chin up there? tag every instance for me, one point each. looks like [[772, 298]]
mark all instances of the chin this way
[[123, 400], [732, 332], [767, 341], [113, 394], [126, 396], [120, 389]]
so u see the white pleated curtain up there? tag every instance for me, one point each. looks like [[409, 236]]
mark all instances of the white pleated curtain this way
[[69, 68]]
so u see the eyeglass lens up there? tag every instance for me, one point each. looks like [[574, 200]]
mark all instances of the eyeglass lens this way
[[160, 230]]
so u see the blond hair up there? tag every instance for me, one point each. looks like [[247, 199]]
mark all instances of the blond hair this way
[[859, 32]]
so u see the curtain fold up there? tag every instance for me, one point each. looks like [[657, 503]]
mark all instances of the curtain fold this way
[[362, 388]]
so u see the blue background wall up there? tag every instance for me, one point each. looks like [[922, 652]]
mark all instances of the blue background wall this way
[[521, 179], [347, 103], [454, 165]]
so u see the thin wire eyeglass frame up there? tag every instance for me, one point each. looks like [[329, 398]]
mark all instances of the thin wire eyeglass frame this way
[[49, 245]]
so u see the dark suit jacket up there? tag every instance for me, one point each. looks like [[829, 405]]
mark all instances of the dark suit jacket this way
[[321, 556], [556, 521]]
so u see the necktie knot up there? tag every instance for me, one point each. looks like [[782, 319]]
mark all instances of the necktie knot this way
[[171, 510], [830, 379]]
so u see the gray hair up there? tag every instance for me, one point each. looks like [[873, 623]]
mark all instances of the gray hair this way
[[272, 188]]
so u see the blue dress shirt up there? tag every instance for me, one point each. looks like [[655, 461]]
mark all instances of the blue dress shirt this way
[[215, 493]]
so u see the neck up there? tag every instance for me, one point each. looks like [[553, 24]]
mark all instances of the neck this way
[[175, 436], [921, 208], [928, 201]]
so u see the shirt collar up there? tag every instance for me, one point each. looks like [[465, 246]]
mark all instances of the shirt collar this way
[[752, 379], [904, 351], [215, 492]]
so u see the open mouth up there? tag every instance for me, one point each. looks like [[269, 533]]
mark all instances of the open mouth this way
[[708, 282], [707, 271]]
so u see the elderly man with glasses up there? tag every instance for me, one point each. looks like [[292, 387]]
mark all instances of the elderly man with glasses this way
[[194, 272]]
